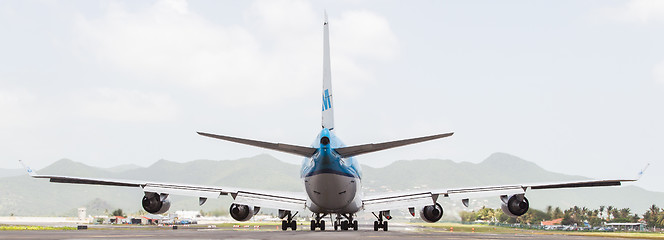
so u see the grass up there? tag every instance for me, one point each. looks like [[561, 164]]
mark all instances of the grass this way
[[22, 228], [457, 227]]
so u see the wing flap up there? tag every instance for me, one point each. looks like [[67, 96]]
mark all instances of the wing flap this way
[[282, 147], [270, 200], [480, 192], [398, 201], [374, 147], [184, 190]]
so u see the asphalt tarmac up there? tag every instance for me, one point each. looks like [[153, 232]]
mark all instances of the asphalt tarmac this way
[[230, 233]]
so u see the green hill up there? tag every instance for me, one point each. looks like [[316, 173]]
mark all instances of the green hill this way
[[24, 196]]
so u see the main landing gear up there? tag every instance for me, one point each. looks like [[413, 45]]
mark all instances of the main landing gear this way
[[318, 223], [289, 222], [380, 223], [345, 224]]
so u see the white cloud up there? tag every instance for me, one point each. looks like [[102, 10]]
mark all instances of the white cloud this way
[[365, 34], [13, 105], [640, 11], [275, 57], [126, 105], [658, 72]]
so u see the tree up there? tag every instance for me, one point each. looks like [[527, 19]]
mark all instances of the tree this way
[[623, 215], [609, 210], [468, 216], [118, 212], [533, 216], [557, 213], [485, 214], [653, 216]]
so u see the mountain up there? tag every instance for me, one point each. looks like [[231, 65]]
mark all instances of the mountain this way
[[497, 169], [122, 168], [24, 196]]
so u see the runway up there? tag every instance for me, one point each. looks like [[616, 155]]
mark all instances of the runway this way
[[226, 233]]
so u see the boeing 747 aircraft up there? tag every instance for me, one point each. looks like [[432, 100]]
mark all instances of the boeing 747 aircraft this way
[[332, 179]]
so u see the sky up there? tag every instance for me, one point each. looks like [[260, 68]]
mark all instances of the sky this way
[[576, 87]]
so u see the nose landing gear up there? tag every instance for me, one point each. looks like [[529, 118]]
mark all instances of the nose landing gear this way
[[318, 223]]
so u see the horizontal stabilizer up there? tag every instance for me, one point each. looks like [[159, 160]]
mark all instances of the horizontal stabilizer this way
[[287, 148], [374, 147]]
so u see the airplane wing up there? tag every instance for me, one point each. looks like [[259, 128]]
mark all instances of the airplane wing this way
[[260, 198], [422, 198], [282, 147], [346, 152]]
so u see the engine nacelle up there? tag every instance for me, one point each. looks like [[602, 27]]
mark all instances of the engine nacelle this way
[[515, 205], [153, 203], [243, 212], [431, 213]]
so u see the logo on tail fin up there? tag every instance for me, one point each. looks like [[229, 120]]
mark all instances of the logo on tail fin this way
[[327, 102]]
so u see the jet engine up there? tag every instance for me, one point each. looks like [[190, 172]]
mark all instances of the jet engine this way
[[431, 213], [515, 205], [243, 212], [156, 204]]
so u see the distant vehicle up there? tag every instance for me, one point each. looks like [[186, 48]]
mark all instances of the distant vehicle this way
[[188, 221], [332, 179]]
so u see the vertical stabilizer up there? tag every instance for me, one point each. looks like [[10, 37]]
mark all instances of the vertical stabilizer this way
[[328, 110]]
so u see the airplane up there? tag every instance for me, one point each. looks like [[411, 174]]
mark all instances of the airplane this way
[[332, 178]]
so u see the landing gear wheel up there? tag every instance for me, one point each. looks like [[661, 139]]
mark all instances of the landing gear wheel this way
[[336, 226], [344, 225], [322, 225], [355, 225], [288, 221], [313, 225], [380, 223]]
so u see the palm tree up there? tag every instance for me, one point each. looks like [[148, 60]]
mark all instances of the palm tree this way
[[654, 209], [585, 213], [660, 220], [625, 212], [557, 213], [651, 215], [615, 213], [609, 210], [601, 211]]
